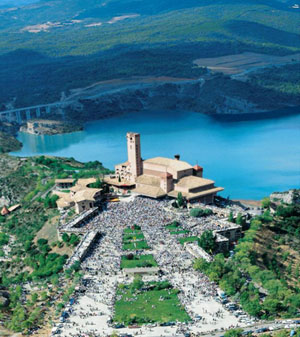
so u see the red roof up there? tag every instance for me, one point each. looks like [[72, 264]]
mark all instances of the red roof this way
[[4, 211], [198, 168]]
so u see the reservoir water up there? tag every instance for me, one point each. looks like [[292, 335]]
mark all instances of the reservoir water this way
[[249, 159]]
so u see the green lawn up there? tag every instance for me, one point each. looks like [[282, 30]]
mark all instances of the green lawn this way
[[183, 231], [136, 245], [188, 239], [133, 237], [132, 231], [138, 261], [173, 227], [139, 309]]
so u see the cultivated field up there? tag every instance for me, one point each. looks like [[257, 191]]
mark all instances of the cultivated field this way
[[241, 63]]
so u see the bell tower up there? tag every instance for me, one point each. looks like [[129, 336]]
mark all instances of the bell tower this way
[[134, 155]]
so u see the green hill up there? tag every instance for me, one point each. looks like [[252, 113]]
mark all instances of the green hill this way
[[61, 44]]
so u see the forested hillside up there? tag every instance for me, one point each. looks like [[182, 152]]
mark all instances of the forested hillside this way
[[263, 274], [33, 285], [54, 46]]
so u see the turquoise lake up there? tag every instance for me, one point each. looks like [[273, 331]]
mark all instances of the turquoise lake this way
[[249, 159]]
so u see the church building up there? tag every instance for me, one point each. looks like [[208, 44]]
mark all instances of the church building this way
[[160, 177]]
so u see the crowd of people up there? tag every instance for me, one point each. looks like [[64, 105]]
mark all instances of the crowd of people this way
[[93, 311]]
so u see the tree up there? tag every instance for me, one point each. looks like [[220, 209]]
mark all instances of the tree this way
[[265, 203], [34, 297], [266, 217], [42, 242], [97, 184], [50, 202], [253, 306], [231, 218], [271, 305], [65, 237], [137, 283], [234, 333], [196, 212], [179, 199], [74, 240], [207, 241], [201, 265], [240, 220]]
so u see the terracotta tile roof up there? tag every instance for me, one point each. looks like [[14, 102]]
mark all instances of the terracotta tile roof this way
[[198, 168], [87, 194], [148, 180], [177, 165], [4, 211], [192, 182], [150, 191], [191, 196]]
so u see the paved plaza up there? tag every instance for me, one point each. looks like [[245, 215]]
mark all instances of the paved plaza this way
[[93, 310]]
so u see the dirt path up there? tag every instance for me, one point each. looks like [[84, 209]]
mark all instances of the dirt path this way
[[118, 84]]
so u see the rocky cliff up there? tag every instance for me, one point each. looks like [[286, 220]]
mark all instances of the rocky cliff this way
[[214, 95]]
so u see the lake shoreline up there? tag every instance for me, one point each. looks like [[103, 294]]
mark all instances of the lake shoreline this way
[[243, 117], [255, 116], [249, 159]]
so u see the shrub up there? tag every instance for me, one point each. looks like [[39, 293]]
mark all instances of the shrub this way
[[207, 241], [198, 212]]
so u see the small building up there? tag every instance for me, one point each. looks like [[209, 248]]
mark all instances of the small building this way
[[232, 233], [14, 208], [63, 184], [4, 211], [222, 244], [87, 199], [195, 250], [81, 196], [65, 200]]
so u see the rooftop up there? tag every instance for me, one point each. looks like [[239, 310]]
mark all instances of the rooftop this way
[[64, 200], [87, 194], [191, 182], [191, 196], [77, 188], [116, 182], [86, 182], [150, 191], [174, 164], [148, 180], [197, 168]]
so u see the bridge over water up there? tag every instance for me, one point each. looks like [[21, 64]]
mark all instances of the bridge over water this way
[[23, 114]]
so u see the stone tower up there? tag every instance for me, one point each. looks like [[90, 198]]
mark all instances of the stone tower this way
[[134, 155]]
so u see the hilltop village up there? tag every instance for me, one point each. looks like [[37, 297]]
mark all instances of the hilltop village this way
[[149, 249]]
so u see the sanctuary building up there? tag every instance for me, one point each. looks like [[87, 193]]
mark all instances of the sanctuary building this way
[[160, 177]]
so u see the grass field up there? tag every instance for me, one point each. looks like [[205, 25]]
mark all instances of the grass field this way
[[132, 231], [136, 245], [133, 237], [234, 64], [188, 239], [136, 306], [138, 261], [173, 227]]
